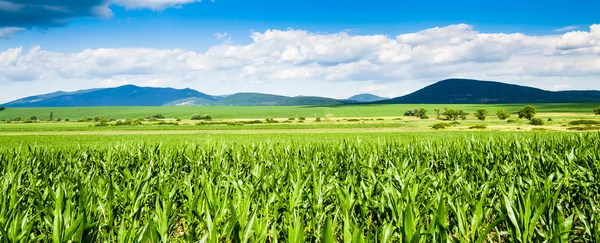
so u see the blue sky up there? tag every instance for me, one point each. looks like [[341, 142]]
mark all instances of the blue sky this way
[[42, 43]]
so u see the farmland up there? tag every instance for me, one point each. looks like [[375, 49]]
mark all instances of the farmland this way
[[351, 178], [518, 188], [255, 112]]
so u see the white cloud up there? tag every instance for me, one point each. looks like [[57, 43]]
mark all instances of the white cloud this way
[[580, 39], [152, 4], [567, 28], [8, 32], [334, 64]]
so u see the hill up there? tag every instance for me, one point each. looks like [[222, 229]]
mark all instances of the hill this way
[[467, 91], [127, 95], [366, 98], [257, 99], [131, 95]]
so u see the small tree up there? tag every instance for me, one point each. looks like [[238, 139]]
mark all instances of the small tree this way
[[33, 118], [528, 112], [481, 114], [422, 113], [452, 114], [438, 112], [596, 111], [51, 116], [502, 115]]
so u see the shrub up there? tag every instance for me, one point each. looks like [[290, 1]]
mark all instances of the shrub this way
[[318, 119], [177, 119], [584, 122], [18, 118], [102, 123], [8, 121], [482, 126], [440, 126], [156, 116], [481, 114], [301, 118], [380, 119], [270, 120], [353, 120], [2, 108], [67, 120], [511, 121], [33, 118], [549, 119], [528, 112], [128, 122], [291, 119], [597, 111], [28, 121], [97, 118], [536, 121], [420, 113], [197, 117], [502, 115], [253, 122]]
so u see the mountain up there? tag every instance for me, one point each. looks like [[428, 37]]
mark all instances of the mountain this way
[[257, 99], [366, 98], [467, 91], [131, 95], [128, 95]]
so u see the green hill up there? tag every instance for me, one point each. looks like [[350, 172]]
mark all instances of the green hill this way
[[467, 91]]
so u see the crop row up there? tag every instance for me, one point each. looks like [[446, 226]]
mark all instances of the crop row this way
[[508, 189]]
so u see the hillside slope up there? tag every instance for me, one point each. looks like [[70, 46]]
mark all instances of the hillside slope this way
[[257, 99], [366, 98], [128, 95], [467, 91]]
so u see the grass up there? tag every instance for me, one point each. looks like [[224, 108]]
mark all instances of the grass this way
[[262, 112], [415, 187]]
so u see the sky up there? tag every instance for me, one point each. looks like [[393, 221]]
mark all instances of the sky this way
[[326, 48]]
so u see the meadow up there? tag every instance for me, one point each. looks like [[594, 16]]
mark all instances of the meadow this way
[[261, 112]]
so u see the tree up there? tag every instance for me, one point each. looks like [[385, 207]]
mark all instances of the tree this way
[[422, 113], [596, 111], [438, 112], [502, 115], [450, 114], [481, 114], [2, 108], [33, 118], [411, 112], [528, 112], [51, 115]]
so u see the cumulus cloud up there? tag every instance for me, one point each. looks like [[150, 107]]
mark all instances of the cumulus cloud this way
[[305, 59], [580, 39], [44, 13]]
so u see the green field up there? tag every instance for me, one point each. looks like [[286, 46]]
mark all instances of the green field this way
[[361, 174], [261, 112], [415, 187]]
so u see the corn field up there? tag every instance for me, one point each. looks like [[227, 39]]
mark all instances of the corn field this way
[[511, 189]]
